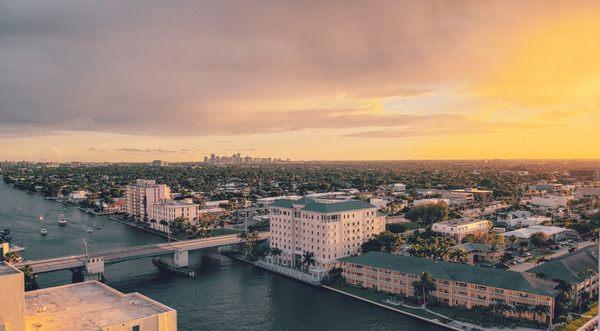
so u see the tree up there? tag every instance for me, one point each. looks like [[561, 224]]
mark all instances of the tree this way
[[30, 283], [249, 241], [428, 214], [424, 286], [12, 257], [457, 255], [308, 259], [395, 228], [539, 239], [275, 252], [383, 242]]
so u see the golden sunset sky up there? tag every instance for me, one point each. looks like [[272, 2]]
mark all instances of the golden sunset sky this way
[[335, 80]]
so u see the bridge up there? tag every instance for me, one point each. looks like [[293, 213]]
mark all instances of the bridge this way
[[93, 264]]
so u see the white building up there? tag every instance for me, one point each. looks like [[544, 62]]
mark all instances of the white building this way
[[169, 210], [551, 201], [430, 201], [398, 187], [552, 232], [458, 198], [379, 203], [142, 194], [458, 229], [522, 218], [77, 196], [330, 229], [587, 192]]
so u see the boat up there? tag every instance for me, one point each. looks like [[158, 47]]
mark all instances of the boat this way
[[41, 217], [44, 232], [89, 230], [97, 227], [62, 221]]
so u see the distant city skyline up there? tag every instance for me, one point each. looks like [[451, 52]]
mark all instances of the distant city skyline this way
[[384, 80]]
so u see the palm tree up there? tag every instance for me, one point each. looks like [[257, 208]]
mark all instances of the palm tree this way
[[12, 257], [30, 283], [308, 259], [424, 286], [275, 251], [457, 255]]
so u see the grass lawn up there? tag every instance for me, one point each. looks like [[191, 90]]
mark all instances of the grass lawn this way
[[378, 297], [579, 322]]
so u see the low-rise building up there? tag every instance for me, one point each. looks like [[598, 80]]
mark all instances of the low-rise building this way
[[89, 305], [478, 195], [551, 201], [579, 269], [458, 229], [587, 192], [456, 284], [330, 229], [166, 211], [421, 202], [481, 253], [522, 218], [553, 233]]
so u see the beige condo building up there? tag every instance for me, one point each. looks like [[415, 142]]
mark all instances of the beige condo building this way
[[330, 229], [141, 195]]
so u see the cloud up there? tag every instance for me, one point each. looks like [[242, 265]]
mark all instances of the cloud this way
[[147, 150], [230, 67], [94, 149]]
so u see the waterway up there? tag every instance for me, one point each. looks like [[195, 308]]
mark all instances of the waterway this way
[[226, 295]]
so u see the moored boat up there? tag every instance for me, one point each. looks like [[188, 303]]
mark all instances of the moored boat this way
[[62, 221], [44, 232]]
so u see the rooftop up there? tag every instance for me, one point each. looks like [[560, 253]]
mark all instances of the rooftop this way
[[471, 247], [461, 221], [323, 205], [85, 306], [7, 269], [572, 268], [498, 278], [525, 233]]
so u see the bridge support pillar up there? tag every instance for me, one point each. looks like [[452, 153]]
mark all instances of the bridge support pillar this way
[[180, 258], [94, 268], [211, 253]]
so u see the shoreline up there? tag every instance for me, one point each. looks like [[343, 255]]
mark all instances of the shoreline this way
[[437, 322]]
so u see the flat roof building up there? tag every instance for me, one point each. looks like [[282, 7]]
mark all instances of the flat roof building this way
[[458, 229], [552, 232], [89, 305]]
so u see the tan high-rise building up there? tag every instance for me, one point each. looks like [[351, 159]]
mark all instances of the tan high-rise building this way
[[141, 195], [330, 229]]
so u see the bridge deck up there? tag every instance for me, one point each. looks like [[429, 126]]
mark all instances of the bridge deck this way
[[132, 253]]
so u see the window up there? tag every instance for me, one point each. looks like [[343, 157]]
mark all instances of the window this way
[[135, 328]]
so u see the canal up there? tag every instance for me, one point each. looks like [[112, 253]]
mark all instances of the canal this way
[[226, 295]]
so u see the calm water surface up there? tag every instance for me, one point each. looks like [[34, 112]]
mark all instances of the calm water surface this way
[[226, 295]]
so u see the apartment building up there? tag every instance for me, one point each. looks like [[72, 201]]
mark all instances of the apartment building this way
[[458, 229], [330, 229], [142, 194], [579, 269], [168, 210], [456, 284], [89, 305]]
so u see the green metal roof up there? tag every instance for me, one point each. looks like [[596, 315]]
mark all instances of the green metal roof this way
[[470, 247], [323, 206], [572, 268], [498, 278]]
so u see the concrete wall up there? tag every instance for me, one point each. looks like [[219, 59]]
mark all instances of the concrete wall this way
[[12, 299]]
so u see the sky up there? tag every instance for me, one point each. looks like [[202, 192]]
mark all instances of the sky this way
[[305, 80]]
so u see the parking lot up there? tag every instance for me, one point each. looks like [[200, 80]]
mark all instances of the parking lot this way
[[564, 249]]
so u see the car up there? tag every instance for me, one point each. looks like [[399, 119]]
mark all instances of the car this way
[[526, 254]]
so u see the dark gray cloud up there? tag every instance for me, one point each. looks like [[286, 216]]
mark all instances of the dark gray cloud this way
[[190, 67]]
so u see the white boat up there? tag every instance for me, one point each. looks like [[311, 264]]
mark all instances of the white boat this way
[[41, 217], [62, 221], [89, 230], [43, 232]]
